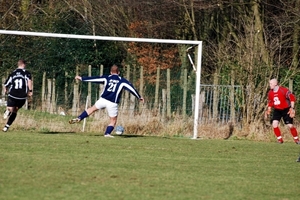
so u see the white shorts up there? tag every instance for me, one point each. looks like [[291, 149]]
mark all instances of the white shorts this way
[[112, 108]]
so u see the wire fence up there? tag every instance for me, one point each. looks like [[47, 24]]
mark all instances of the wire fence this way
[[218, 104]]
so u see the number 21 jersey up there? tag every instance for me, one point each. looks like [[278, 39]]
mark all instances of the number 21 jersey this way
[[113, 86], [17, 83], [280, 99]]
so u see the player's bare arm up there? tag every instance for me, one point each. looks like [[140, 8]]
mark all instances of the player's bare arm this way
[[142, 100], [292, 111], [293, 104], [268, 111], [292, 99], [78, 78], [5, 89], [30, 84]]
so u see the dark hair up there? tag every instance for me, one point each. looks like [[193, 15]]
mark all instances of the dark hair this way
[[22, 61], [114, 69]]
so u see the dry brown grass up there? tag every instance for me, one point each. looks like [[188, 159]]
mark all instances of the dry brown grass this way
[[145, 124], [41, 122]]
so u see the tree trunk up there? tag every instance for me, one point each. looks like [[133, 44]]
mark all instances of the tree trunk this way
[[3, 92], [43, 97], [132, 104], [202, 117], [101, 85], [184, 96], [190, 16], [141, 86], [24, 7], [216, 96], [231, 98], [291, 86], [75, 103], [28, 100], [126, 95], [259, 44], [184, 76], [53, 100], [98, 114], [164, 104], [49, 89], [89, 98], [155, 107], [66, 88], [168, 93], [296, 33], [132, 97]]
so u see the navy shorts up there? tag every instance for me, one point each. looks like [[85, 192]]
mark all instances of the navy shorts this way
[[18, 103], [278, 114]]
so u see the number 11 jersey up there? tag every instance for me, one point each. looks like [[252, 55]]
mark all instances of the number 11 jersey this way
[[17, 83]]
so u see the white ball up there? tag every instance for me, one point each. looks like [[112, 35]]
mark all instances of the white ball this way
[[119, 130]]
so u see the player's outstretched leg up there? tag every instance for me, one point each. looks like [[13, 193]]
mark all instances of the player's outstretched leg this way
[[75, 120], [295, 134], [10, 120], [84, 114]]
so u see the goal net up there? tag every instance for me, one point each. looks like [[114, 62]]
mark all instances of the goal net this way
[[163, 71]]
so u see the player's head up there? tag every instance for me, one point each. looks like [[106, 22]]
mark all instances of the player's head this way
[[114, 70], [21, 63], [273, 83]]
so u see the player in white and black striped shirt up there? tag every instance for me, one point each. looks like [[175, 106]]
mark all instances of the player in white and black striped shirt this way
[[18, 86]]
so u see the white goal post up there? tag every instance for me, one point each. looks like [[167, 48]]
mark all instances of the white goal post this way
[[129, 39]]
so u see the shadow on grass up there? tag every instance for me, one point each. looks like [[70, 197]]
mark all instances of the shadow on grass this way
[[131, 136], [101, 135], [56, 132], [122, 136], [142, 136]]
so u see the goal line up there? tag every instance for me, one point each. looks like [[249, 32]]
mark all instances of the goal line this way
[[130, 39]]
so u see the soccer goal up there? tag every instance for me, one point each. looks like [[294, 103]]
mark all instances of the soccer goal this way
[[162, 52]]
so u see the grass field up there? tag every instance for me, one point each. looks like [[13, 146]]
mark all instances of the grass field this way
[[45, 165]]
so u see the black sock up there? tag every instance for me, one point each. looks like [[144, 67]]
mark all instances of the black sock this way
[[11, 118]]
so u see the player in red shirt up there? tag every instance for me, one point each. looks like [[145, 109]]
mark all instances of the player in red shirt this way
[[283, 102]]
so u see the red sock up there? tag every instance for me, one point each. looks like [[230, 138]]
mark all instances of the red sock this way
[[278, 134], [294, 134]]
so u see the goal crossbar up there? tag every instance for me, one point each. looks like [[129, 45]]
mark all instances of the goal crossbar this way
[[130, 39], [94, 37]]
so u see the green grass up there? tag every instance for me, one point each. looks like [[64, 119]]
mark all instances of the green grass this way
[[41, 165]]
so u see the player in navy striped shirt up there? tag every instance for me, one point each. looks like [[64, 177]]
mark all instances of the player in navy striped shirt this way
[[110, 97]]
